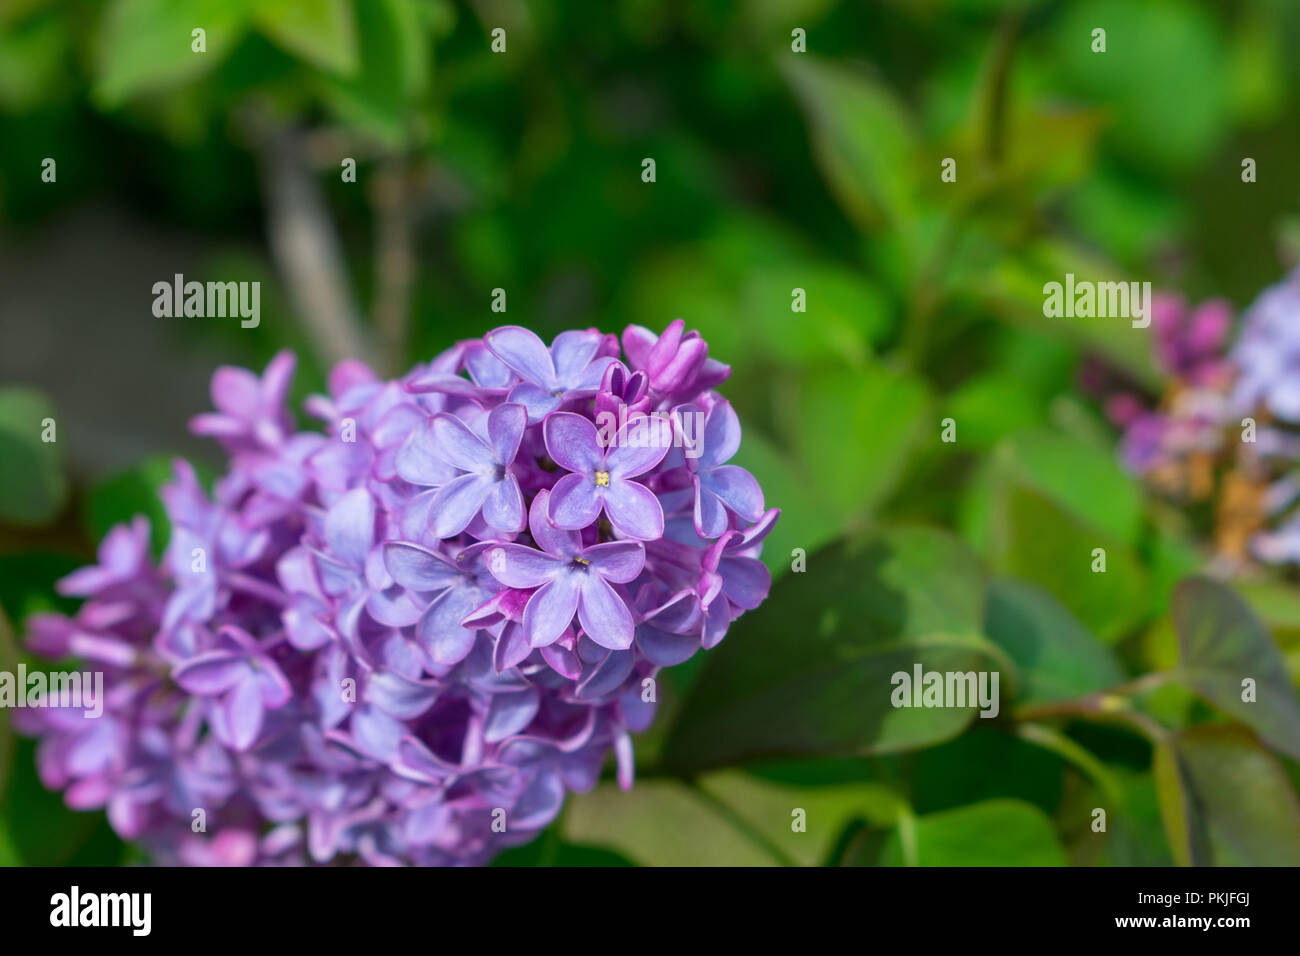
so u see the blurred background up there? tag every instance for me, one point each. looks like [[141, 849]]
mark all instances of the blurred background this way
[[797, 145]]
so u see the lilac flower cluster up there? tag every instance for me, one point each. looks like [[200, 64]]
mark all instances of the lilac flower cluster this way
[[405, 640], [1189, 346], [1228, 423]]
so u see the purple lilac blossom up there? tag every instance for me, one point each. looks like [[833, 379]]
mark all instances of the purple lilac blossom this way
[[1267, 354], [1212, 390], [366, 644]]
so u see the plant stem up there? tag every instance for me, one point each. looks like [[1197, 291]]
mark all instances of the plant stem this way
[[394, 262], [1051, 739], [307, 251]]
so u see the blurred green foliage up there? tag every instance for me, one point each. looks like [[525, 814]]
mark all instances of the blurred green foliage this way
[[776, 171]]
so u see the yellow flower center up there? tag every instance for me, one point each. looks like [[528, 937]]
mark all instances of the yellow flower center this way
[[602, 479]]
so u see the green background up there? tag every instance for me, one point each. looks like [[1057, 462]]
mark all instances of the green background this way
[[775, 170]]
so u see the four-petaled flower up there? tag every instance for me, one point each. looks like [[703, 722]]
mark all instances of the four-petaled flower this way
[[720, 487], [570, 369], [601, 478], [248, 681], [569, 579], [488, 485]]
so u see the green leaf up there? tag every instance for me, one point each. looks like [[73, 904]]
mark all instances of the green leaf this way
[[323, 32], [1012, 288], [1079, 476], [770, 808], [853, 432], [1156, 55], [991, 833], [991, 406], [32, 485], [810, 671], [807, 521], [1220, 643], [660, 823], [146, 45], [1134, 834], [845, 314], [1056, 657], [1050, 502], [34, 64], [1226, 801], [394, 69], [861, 138]]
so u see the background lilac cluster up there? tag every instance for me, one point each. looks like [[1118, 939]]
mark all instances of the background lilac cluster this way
[[1192, 440], [374, 643]]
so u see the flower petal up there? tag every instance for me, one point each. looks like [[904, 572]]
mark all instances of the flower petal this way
[[350, 527], [508, 714], [745, 581], [457, 445], [710, 516], [551, 609], [737, 488], [643, 445], [518, 566], [419, 568], [212, 673], [633, 510], [603, 614], [572, 442], [457, 502], [505, 427], [240, 715], [574, 502], [721, 435], [537, 401], [664, 649], [440, 632], [503, 508], [618, 561], [524, 353], [572, 352], [605, 675], [418, 461], [554, 541], [399, 696]]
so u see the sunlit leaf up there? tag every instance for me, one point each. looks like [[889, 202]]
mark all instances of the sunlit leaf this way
[[146, 45], [810, 671], [990, 833], [321, 31]]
